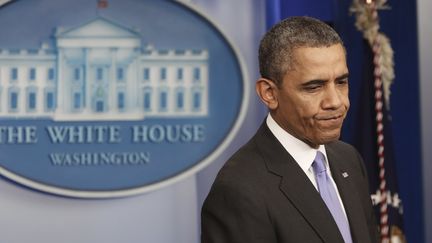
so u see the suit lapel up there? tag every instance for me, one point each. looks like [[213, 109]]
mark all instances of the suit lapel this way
[[296, 186], [352, 203]]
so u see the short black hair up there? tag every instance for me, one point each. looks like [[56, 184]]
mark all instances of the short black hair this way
[[278, 44]]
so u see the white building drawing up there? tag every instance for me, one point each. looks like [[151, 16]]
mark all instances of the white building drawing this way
[[101, 71]]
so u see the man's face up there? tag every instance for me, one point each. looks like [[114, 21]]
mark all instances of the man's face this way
[[312, 100]]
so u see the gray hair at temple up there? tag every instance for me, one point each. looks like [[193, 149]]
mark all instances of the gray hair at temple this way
[[278, 44]]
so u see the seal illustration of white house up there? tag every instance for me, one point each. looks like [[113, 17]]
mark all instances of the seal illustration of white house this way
[[112, 102], [101, 70]]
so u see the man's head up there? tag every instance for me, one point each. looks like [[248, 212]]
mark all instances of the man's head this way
[[276, 49], [304, 79]]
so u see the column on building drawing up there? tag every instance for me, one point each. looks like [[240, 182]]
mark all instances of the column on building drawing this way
[[204, 88], [87, 80], [3, 85], [177, 94], [41, 83], [113, 83], [49, 92], [134, 100], [45, 82], [31, 90], [61, 80], [147, 75], [2, 101], [178, 90], [33, 94], [163, 100], [19, 89], [91, 81], [168, 87], [8, 87], [67, 82]]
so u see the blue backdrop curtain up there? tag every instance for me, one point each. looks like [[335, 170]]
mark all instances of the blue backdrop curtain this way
[[399, 24]]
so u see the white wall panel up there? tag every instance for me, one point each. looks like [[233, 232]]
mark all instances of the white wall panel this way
[[425, 54]]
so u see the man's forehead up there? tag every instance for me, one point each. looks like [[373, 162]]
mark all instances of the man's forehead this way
[[318, 54], [316, 62]]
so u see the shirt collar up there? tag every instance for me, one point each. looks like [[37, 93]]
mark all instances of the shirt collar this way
[[302, 153]]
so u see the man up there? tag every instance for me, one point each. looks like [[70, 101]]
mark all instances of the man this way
[[294, 181]]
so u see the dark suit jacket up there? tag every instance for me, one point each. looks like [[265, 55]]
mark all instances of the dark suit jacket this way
[[261, 195]]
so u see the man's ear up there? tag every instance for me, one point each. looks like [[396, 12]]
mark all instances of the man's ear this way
[[267, 91]]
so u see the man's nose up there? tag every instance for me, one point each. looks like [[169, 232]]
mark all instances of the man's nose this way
[[332, 98]]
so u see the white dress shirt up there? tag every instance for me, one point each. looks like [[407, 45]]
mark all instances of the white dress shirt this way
[[302, 153]]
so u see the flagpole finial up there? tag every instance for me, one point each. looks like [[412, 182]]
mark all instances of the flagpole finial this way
[[102, 4], [367, 21]]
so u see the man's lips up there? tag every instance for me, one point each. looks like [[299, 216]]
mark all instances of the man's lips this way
[[331, 117], [333, 121]]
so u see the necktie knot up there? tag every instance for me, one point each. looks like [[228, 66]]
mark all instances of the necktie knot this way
[[319, 163]]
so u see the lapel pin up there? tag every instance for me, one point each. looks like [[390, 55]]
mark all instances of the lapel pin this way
[[345, 174]]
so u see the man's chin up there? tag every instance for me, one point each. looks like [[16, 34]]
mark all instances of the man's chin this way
[[328, 138], [322, 138]]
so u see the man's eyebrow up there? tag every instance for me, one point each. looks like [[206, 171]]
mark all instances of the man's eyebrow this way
[[313, 82], [343, 76], [321, 81]]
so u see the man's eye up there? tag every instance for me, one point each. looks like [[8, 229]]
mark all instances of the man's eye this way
[[342, 81], [312, 87]]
